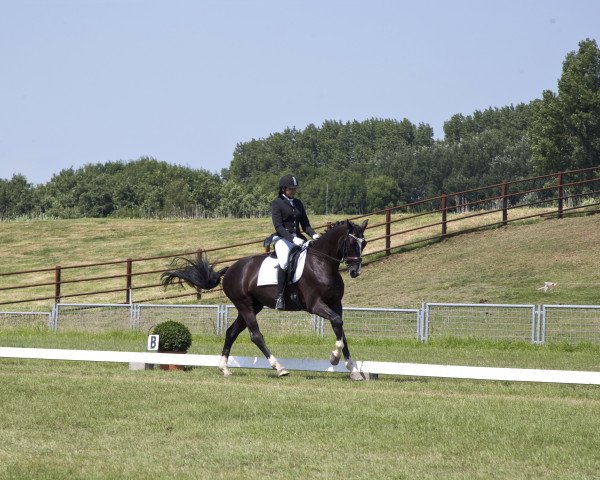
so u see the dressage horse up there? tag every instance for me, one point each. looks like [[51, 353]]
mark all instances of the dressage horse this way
[[319, 290]]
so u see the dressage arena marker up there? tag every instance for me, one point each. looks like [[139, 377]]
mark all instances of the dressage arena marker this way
[[367, 367]]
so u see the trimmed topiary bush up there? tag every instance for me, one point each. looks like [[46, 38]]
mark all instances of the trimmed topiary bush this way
[[173, 336]]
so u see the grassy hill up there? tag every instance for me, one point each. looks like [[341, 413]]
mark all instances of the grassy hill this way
[[505, 265]]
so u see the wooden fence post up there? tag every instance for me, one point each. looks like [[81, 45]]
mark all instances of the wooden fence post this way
[[128, 293], [57, 272], [199, 254], [559, 182], [388, 224], [444, 215], [504, 204]]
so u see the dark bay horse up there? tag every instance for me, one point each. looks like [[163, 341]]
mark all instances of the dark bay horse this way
[[320, 289]]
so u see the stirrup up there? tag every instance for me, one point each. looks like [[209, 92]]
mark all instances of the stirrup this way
[[279, 303]]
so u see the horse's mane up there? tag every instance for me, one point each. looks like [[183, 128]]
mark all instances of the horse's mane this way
[[334, 226], [331, 228]]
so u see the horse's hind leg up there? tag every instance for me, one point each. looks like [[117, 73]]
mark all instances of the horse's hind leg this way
[[232, 333]]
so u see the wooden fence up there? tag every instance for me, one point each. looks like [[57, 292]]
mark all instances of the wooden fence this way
[[391, 230]]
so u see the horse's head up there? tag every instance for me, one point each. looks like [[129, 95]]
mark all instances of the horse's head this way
[[355, 244]]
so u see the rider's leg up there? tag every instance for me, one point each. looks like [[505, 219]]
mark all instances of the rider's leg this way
[[281, 281], [282, 249]]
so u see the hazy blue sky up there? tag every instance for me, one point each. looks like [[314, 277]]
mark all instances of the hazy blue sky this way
[[88, 81]]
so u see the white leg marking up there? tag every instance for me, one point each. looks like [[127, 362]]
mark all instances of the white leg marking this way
[[339, 344], [275, 365], [354, 372], [350, 365], [223, 366]]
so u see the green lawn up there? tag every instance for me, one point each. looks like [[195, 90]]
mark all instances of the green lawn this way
[[90, 420]]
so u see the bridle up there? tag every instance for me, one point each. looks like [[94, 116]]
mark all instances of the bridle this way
[[354, 260], [349, 260]]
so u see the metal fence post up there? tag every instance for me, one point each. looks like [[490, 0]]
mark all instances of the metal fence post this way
[[53, 322], [218, 319], [425, 323], [134, 316], [420, 322], [222, 319], [534, 323], [542, 324]]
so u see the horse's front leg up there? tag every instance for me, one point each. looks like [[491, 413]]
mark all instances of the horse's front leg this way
[[341, 344]]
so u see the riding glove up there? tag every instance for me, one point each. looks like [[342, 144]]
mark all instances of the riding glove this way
[[298, 241]]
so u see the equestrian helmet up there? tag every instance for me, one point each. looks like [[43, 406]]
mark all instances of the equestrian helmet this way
[[288, 181]]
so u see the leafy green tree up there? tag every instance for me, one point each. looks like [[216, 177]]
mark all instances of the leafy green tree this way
[[382, 192], [17, 197], [565, 131]]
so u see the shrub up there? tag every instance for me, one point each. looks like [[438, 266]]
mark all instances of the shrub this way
[[173, 337]]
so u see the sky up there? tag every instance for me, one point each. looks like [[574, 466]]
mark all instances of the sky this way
[[185, 81]]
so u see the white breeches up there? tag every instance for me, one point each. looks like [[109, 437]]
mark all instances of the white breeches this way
[[282, 249]]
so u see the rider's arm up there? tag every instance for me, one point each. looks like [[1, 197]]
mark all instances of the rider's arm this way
[[304, 223]]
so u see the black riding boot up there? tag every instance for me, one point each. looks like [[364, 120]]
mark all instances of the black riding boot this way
[[281, 280]]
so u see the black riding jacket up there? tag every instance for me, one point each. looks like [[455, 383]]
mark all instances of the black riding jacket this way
[[288, 219]]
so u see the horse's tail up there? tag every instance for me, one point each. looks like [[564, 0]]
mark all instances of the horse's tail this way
[[199, 274]]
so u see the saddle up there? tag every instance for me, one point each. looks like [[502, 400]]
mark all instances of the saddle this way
[[292, 259], [292, 262], [267, 274]]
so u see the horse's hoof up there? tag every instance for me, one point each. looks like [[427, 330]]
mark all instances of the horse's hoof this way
[[333, 359], [226, 372], [282, 373], [357, 376]]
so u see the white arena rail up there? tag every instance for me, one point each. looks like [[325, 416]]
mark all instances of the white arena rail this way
[[384, 368]]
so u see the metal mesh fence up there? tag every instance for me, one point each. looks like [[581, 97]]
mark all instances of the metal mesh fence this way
[[273, 322], [571, 323], [391, 323], [530, 323], [24, 319], [198, 318], [482, 321], [92, 318]]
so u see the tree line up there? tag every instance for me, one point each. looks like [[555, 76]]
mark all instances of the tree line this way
[[344, 167]]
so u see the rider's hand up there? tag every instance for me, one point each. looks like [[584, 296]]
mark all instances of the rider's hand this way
[[315, 236], [298, 241]]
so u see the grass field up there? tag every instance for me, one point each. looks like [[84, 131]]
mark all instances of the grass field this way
[[505, 265], [87, 420]]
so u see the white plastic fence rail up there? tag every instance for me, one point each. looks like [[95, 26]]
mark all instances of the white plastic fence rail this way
[[384, 368]]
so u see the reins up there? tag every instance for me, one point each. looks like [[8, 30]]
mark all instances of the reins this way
[[324, 255]]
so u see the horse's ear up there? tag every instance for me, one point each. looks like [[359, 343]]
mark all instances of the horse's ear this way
[[363, 227]]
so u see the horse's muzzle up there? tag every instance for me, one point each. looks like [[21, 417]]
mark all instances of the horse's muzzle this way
[[354, 269]]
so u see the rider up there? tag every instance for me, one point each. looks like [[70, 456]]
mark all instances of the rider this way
[[288, 215]]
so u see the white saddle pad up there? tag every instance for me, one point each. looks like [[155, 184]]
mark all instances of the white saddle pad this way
[[267, 274]]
